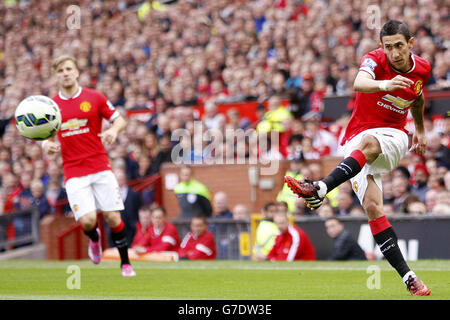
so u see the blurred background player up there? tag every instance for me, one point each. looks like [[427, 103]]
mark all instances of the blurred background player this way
[[266, 232], [344, 246], [89, 180], [292, 243], [199, 243], [389, 83]]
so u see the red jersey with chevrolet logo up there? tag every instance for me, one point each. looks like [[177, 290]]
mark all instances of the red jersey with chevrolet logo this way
[[82, 150], [386, 109]]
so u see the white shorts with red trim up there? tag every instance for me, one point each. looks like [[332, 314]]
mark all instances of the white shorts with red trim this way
[[98, 191], [394, 144]]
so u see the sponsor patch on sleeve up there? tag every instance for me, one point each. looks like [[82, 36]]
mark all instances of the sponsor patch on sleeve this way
[[369, 63]]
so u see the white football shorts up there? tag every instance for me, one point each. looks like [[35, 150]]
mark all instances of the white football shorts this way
[[98, 191], [394, 144]]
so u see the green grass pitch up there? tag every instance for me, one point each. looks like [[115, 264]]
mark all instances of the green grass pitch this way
[[218, 280]]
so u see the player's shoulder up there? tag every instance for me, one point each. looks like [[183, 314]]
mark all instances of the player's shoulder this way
[[421, 63], [378, 55]]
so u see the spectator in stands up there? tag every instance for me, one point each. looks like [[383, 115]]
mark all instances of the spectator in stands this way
[[160, 235], [164, 154], [285, 194], [326, 211], [292, 243], [266, 232], [199, 243], [220, 206], [430, 200], [36, 198], [241, 212], [322, 140], [416, 208], [441, 208], [420, 176], [345, 203], [275, 116], [193, 196], [436, 150], [400, 190], [345, 247]]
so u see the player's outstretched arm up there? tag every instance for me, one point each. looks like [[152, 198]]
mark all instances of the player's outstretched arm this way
[[364, 82], [50, 146], [109, 136], [419, 143]]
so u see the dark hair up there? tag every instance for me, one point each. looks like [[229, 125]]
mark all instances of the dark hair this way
[[268, 205], [393, 27]]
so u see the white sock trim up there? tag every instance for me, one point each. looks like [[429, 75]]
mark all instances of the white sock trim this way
[[406, 276], [322, 192]]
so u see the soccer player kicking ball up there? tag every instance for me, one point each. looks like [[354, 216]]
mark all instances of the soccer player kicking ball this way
[[89, 180], [388, 84]]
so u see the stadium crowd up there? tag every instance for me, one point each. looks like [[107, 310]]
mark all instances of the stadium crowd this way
[[167, 58]]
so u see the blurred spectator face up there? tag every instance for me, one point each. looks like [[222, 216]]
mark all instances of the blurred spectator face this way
[[145, 217], [334, 227], [241, 211], [399, 186], [443, 196], [185, 174], [273, 103], [37, 188], [278, 82], [282, 222], [158, 218], [282, 207], [345, 200], [441, 208], [66, 74], [220, 202], [25, 180], [417, 208], [430, 199], [198, 227], [325, 211], [270, 211]]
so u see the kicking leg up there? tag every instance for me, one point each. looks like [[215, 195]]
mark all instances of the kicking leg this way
[[313, 192], [386, 238]]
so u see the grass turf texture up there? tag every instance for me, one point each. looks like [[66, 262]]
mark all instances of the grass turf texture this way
[[218, 280]]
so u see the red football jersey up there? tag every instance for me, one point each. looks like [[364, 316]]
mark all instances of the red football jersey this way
[[153, 240], [201, 248], [294, 244], [82, 150], [386, 109]]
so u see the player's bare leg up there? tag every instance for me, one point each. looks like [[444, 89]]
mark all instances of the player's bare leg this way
[[89, 225], [386, 238], [119, 237]]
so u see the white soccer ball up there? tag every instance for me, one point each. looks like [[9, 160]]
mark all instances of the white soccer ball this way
[[38, 117]]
